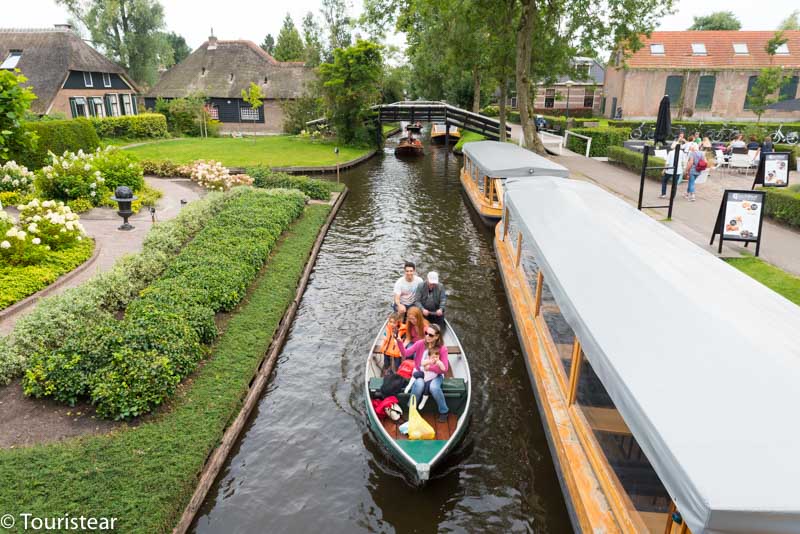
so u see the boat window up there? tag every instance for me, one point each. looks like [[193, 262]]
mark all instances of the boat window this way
[[634, 474]]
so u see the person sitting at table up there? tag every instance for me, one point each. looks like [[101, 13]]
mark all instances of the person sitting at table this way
[[736, 143]]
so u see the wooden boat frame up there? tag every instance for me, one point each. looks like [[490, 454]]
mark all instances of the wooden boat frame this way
[[594, 495], [438, 137], [460, 366], [485, 200]]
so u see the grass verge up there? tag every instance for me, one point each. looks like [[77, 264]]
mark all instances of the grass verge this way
[[467, 137], [144, 476], [16, 283], [774, 278], [272, 151]]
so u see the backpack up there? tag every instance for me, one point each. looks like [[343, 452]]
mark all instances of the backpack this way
[[392, 385], [702, 164]]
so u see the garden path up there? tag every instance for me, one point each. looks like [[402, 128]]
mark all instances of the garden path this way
[[102, 223]]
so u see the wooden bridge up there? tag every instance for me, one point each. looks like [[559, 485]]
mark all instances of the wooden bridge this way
[[433, 111]]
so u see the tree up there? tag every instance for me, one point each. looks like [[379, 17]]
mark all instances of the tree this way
[[254, 97], [268, 45], [289, 46], [338, 24], [769, 80], [130, 32], [15, 101], [719, 20], [180, 50], [350, 85], [312, 40], [792, 22]]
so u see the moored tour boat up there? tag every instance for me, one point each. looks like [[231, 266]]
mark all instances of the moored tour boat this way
[[409, 147], [665, 378], [487, 164], [439, 131], [415, 127], [419, 457]]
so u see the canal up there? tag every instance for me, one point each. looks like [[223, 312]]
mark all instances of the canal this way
[[307, 461]]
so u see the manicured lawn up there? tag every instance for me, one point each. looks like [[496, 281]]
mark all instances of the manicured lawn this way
[[389, 127], [273, 151], [144, 476], [776, 279], [467, 137]]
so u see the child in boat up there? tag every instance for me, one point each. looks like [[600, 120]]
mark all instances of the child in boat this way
[[391, 354]]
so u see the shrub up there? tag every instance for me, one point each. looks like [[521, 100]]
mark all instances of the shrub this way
[[794, 153], [117, 168], [491, 110], [216, 177], [602, 138], [297, 112], [633, 160], [185, 116], [71, 176], [266, 178], [165, 168], [147, 125], [15, 178], [58, 137], [783, 204], [53, 222], [19, 246]]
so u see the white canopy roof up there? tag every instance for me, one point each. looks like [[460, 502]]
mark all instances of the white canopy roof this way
[[506, 160], [702, 361]]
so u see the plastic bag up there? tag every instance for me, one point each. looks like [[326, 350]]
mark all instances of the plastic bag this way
[[418, 428]]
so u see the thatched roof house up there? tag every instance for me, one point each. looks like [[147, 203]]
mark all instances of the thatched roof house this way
[[67, 75], [220, 70]]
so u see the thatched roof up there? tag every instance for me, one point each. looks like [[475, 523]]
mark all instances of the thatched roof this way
[[225, 68], [47, 57]]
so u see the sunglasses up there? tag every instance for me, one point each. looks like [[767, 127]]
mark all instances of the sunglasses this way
[[430, 334]]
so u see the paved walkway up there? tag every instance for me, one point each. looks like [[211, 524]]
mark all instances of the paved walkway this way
[[102, 224]]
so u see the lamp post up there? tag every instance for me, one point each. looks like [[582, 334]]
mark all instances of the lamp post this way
[[336, 151], [124, 197], [569, 84]]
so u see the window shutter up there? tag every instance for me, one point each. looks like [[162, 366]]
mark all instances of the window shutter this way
[[673, 90], [705, 92], [133, 105], [789, 89], [73, 108], [107, 100]]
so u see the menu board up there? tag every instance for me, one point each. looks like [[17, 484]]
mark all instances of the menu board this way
[[776, 169], [742, 217]]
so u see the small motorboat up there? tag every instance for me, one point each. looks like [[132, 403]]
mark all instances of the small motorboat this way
[[409, 146], [439, 134], [419, 457], [415, 127]]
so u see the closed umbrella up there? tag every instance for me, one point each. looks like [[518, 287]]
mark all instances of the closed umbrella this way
[[663, 122]]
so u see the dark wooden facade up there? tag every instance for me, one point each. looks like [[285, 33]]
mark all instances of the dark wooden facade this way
[[225, 110]]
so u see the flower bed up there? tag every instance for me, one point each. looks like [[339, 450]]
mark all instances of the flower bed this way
[[128, 368], [214, 176]]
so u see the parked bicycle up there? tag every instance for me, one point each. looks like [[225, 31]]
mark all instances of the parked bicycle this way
[[791, 138], [643, 132], [725, 133]]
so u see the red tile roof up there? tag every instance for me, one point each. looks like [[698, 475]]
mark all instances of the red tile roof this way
[[719, 50]]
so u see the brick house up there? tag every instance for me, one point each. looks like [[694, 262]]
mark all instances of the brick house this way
[[707, 74], [220, 70], [67, 75]]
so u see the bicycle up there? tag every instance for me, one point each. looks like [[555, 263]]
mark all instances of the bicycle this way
[[643, 132], [791, 138], [725, 133]]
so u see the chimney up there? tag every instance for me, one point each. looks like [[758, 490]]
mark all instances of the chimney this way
[[66, 27], [212, 41]]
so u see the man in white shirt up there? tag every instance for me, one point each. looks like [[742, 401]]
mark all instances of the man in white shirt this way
[[405, 289]]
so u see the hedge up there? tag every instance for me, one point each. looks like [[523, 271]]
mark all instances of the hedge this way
[[58, 137], [703, 126], [158, 342], [794, 154], [602, 139], [266, 178], [783, 204], [633, 160], [147, 125]]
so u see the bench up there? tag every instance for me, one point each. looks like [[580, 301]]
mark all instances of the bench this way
[[454, 389], [451, 349]]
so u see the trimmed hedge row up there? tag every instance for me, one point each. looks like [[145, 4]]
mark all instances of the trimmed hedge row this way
[[633, 160], [149, 125], [783, 204], [602, 139], [794, 154], [96, 300], [58, 137], [128, 368], [266, 178], [703, 126]]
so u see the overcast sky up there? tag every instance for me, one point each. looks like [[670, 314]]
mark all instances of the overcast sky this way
[[248, 19]]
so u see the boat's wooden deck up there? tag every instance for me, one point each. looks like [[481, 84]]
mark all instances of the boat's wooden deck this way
[[443, 430]]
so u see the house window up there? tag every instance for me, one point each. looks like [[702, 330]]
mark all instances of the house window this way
[[11, 60], [657, 49], [87, 79], [740, 49], [750, 83], [549, 98], [699, 49], [674, 89], [106, 79], [588, 97], [705, 92], [789, 89], [78, 106], [603, 106], [249, 114], [127, 109], [782, 50], [112, 105], [213, 112], [96, 107]]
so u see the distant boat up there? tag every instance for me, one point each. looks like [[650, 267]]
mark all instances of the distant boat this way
[[409, 147], [419, 457], [415, 127], [438, 134]]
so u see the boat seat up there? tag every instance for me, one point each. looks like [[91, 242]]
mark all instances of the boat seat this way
[[454, 389], [451, 349]]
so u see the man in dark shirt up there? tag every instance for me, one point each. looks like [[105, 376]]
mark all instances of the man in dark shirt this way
[[432, 297]]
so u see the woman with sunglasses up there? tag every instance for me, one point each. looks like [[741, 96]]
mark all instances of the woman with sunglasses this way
[[430, 357]]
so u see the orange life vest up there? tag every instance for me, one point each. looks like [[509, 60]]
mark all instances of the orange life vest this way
[[389, 346]]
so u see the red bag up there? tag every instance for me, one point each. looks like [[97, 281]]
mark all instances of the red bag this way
[[406, 369]]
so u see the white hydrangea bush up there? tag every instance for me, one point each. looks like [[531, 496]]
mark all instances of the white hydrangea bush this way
[[71, 176], [50, 221], [15, 178], [216, 177]]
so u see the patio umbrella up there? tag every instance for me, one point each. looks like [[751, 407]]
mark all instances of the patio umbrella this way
[[663, 122]]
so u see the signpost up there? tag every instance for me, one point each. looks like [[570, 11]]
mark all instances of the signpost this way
[[773, 170], [740, 218]]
